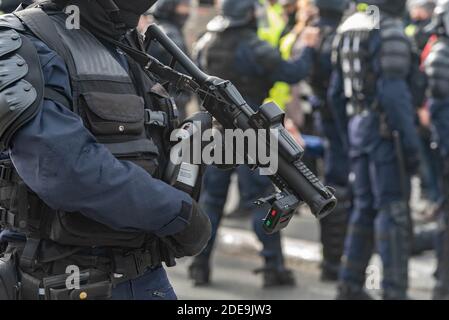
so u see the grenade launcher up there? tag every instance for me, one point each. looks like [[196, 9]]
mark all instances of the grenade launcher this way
[[295, 182]]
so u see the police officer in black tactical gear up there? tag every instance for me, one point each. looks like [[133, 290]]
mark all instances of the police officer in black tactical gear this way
[[85, 130], [437, 70], [171, 16], [333, 227], [371, 98], [232, 50]]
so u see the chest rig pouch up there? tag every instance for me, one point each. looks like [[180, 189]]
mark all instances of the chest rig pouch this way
[[116, 111]]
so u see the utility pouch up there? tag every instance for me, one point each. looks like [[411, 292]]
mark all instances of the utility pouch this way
[[113, 114], [9, 285], [118, 122], [89, 286], [94, 291]]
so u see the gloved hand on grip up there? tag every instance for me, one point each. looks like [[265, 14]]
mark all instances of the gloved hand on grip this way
[[194, 238]]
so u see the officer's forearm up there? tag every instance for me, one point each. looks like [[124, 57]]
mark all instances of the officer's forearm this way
[[59, 160], [395, 100]]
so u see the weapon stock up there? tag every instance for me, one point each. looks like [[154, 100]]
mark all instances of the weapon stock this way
[[223, 101]]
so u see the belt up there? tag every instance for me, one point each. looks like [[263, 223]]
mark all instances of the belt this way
[[133, 264], [96, 279]]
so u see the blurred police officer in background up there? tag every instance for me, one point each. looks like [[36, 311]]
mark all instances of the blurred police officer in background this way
[[232, 50], [420, 12], [437, 70], [171, 16], [371, 98], [336, 162], [83, 184]]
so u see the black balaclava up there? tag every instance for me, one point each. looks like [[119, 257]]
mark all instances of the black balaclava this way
[[96, 18]]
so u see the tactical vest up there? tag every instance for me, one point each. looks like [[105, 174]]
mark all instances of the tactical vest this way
[[124, 109], [219, 57]]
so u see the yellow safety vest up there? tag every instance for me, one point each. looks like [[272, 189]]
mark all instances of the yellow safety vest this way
[[280, 93], [276, 24]]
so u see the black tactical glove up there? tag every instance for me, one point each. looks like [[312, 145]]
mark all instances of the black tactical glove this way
[[194, 238]]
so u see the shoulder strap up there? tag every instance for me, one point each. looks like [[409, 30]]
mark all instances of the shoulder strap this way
[[40, 24], [43, 27]]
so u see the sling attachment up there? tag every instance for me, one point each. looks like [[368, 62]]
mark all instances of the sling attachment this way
[[156, 118], [151, 64]]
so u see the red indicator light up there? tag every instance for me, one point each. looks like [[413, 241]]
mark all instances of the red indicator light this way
[[273, 213]]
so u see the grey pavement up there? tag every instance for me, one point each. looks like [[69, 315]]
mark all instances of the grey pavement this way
[[236, 258], [233, 280]]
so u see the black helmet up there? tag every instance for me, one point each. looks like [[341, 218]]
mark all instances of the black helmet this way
[[429, 5], [332, 5], [234, 13], [440, 20], [394, 7], [166, 10]]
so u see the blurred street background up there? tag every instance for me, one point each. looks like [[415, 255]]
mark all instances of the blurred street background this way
[[237, 257]]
